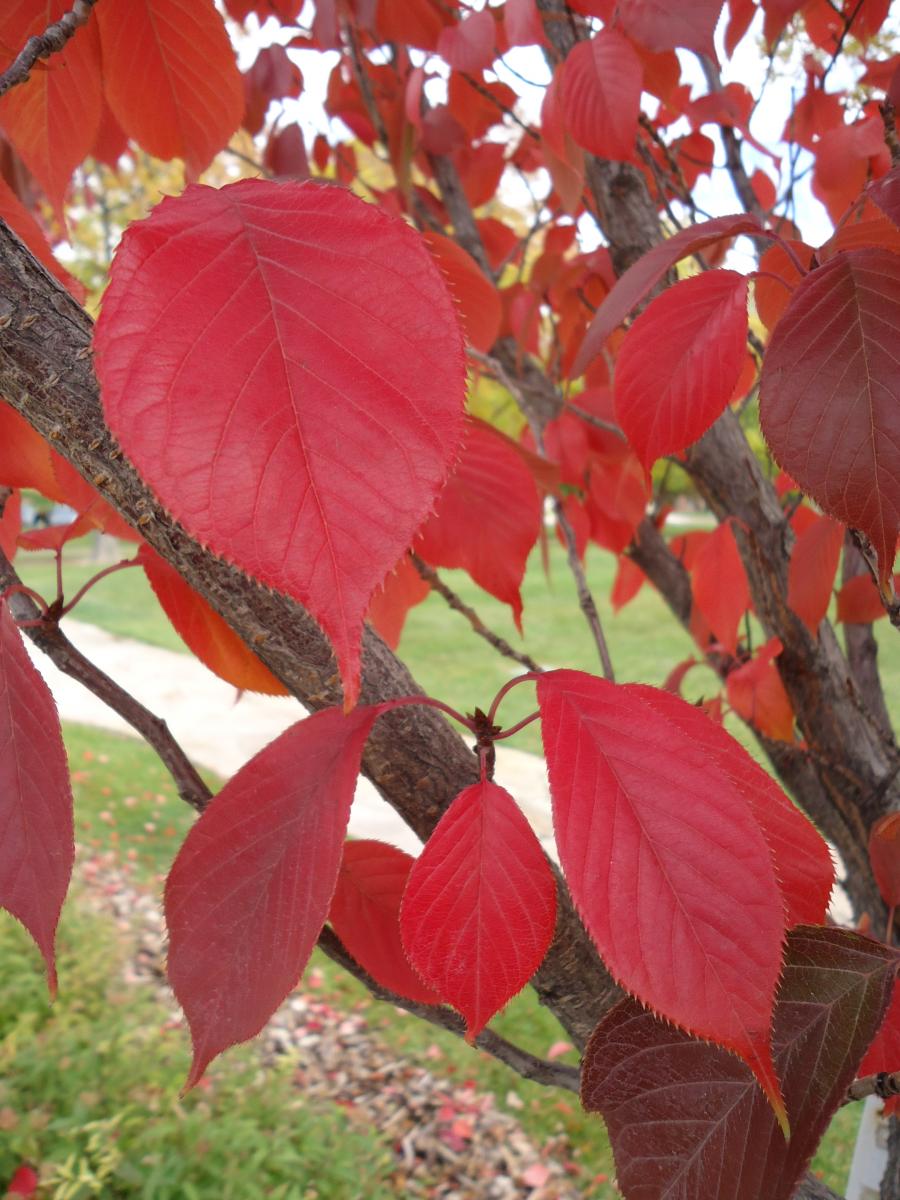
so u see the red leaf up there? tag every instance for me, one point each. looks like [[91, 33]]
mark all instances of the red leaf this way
[[814, 564], [170, 76], [324, 344], [468, 45], [54, 537], [772, 295], [250, 888], [601, 95], [830, 393], [800, 855], [53, 119], [523, 23], [721, 590], [24, 1182], [204, 632], [402, 590], [662, 25], [884, 853], [365, 914], [756, 693], [22, 223], [886, 194], [640, 279], [25, 458], [884, 1052], [285, 155], [858, 602], [680, 363], [475, 295], [479, 910], [665, 861], [10, 525], [37, 845], [487, 518], [685, 1119], [628, 582]]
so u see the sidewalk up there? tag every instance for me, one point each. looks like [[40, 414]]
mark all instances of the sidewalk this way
[[221, 734]]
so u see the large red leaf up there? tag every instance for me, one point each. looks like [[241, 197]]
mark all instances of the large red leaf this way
[[663, 25], [665, 861], [37, 846], [685, 1119], [52, 119], [249, 891], [365, 914], [814, 564], [640, 279], [601, 95], [203, 630], [884, 852], [830, 393], [283, 364], [800, 855], [488, 517], [479, 910], [721, 590], [171, 77], [680, 363]]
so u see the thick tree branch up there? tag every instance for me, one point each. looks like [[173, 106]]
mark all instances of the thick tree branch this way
[[523, 1062], [51, 41], [861, 646], [413, 757], [48, 637]]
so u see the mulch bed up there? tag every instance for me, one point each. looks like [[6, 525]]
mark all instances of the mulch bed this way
[[449, 1141]]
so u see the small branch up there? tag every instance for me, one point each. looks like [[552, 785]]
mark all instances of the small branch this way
[[51, 41], [86, 587], [888, 597], [889, 117], [528, 1065], [501, 645], [884, 1085], [732, 143], [585, 597], [862, 647], [848, 21], [48, 637]]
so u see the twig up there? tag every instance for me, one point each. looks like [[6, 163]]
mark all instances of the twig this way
[[889, 117], [888, 598], [51, 41], [48, 637], [501, 645], [528, 1065], [884, 1085], [848, 21], [585, 597], [732, 143]]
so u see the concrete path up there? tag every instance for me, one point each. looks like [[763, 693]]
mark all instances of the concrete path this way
[[221, 734]]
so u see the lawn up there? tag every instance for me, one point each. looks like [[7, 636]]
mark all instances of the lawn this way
[[125, 803]]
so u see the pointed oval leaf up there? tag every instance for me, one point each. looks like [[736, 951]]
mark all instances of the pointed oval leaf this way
[[468, 45], [479, 910], [813, 566], [858, 601], [249, 891], [665, 861], [23, 224], [478, 300], [685, 1119], [269, 355], [720, 587], [884, 1052], [662, 25], [365, 914], [756, 693], [680, 363], [488, 517], [884, 853], [601, 95], [53, 118], [203, 630], [37, 843], [170, 76], [640, 279], [830, 393]]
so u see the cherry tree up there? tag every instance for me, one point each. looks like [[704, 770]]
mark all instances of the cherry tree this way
[[279, 408]]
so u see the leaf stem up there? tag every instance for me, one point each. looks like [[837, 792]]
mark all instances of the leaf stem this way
[[86, 587], [515, 728]]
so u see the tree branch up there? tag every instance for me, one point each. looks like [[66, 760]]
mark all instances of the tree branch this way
[[51, 41], [48, 636], [861, 646], [414, 758], [523, 1062], [501, 645]]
